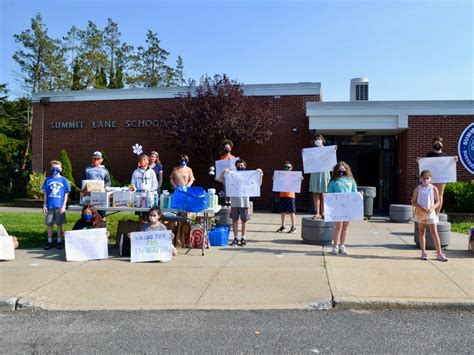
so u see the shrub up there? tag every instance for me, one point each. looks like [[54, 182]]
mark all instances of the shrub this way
[[459, 197], [67, 173], [33, 189], [106, 163]]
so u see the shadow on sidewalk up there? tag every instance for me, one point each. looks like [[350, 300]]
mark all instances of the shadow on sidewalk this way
[[250, 249], [52, 254]]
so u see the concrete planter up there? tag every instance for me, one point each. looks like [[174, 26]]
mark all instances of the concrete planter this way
[[444, 232], [401, 213], [316, 231]]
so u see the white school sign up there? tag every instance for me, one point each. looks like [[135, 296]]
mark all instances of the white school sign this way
[[86, 244], [319, 159], [344, 206], [287, 181], [443, 169], [151, 246]]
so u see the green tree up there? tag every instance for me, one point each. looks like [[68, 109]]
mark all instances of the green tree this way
[[178, 79], [67, 166], [101, 79], [92, 56], [118, 84], [71, 45], [76, 77]]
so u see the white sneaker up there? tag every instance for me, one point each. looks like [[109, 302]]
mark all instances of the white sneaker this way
[[343, 250], [335, 250]]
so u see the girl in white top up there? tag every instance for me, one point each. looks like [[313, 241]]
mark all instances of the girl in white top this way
[[425, 200]]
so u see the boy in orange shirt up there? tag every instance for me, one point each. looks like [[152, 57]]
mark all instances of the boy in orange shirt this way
[[287, 205]]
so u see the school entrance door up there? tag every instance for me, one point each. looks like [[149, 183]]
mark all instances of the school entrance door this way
[[372, 159]]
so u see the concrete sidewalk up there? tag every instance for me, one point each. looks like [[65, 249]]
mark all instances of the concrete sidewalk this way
[[274, 271]]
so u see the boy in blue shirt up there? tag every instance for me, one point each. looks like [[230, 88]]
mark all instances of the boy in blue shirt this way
[[56, 191]]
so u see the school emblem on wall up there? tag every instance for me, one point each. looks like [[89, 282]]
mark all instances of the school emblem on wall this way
[[466, 148]]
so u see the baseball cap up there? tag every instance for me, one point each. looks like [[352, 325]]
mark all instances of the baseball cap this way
[[97, 155]]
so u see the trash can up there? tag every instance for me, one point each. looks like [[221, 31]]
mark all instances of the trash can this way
[[369, 194]]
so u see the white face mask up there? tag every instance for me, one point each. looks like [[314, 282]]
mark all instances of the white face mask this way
[[153, 219], [318, 142]]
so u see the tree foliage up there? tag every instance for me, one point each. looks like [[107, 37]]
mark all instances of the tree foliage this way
[[215, 110]]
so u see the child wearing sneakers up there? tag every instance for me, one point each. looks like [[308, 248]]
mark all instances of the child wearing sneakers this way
[[341, 181], [56, 191], [239, 206], [425, 199], [287, 205]]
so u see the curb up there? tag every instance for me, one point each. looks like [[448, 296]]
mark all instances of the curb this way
[[400, 305], [25, 304], [8, 304]]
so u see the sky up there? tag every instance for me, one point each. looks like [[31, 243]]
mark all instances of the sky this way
[[408, 49]]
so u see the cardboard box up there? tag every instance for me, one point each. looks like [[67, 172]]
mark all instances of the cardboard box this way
[[123, 199], [125, 227], [101, 199], [93, 185]]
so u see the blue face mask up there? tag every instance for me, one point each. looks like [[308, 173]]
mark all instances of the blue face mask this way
[[55, 171], [88, 217], [240, 168], [342, 173], [183, 162]]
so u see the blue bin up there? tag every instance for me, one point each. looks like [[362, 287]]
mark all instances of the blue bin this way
[[219, 236]]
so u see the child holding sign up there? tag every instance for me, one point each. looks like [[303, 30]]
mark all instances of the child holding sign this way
[[287, 205], [154, 216], [341, 181], [318, 183], [425, 199]]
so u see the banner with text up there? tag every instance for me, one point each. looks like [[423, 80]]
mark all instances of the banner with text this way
[[86, 244], [443, 169], [287, 181], [319, 159], [344, 206], [225, 164], [243, 184], [151, 246], [7, 250]]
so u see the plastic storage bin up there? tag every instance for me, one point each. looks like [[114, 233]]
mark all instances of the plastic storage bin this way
[[219, 236]]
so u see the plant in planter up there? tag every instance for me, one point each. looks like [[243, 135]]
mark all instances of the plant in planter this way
[[33, 189]]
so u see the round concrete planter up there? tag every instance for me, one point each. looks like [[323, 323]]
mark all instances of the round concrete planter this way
[[223, 217], [316, 231], [444, 232], [443, 217], [401, 213]]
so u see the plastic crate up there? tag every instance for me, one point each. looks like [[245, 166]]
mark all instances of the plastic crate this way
[[219, 236]]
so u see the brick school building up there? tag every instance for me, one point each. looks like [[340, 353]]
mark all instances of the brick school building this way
[[379, 139]]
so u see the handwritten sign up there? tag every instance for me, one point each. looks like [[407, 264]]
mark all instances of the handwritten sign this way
[[225, 164], [443, 169], [86, 244], [346, 206], [242, 184], [7, 251], [151, 246], [287, 181], [319, 159]]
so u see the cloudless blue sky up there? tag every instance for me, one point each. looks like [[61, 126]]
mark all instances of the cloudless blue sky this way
[[409, 49]]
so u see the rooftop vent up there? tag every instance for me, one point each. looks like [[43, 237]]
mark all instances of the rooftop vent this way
[[359, 89]]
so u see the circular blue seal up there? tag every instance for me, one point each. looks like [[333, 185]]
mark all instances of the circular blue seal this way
[[466, 148]]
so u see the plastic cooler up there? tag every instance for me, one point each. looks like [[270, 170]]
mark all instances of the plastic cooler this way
[[219, 236]]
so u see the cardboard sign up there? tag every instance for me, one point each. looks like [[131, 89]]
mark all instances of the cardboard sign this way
[[151, 246], [242, 184], [319, 159], [344, 206], [443, 169], [7, 250], [287, 181], [86, 244], [225, 164]]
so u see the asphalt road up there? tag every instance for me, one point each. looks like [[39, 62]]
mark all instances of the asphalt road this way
[[279, 331]]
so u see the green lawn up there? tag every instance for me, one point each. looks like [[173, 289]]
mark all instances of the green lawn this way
[[31, 232], [462, 227]]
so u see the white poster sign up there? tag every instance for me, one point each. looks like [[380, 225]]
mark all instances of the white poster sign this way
[[225, 164], [345, 206], [7, 251], [443, 169], [86, 244], [318, 159], [287, 181], [242, 184], [151, 246]]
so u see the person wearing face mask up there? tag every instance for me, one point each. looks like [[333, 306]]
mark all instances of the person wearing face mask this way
[[227, 146], [56, 190], [154, 224], [182, 175], [90, 219], [157, 167], [287, 205], [341, 181], [318, 183], [425, 199]]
